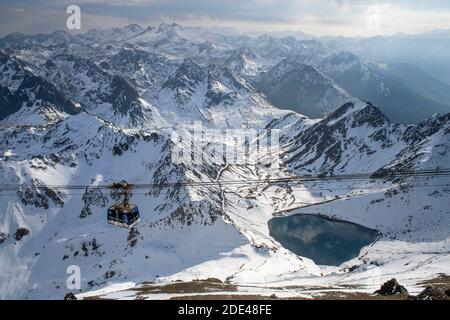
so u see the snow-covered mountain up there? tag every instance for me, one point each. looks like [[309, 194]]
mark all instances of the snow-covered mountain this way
[[371, 82], [27, 98], [146, 70], [110, 97], [245, 62], [76, 117], [427, 51], [302, 88], [213, 95], [174, 40], [110, 35], [19, 40]]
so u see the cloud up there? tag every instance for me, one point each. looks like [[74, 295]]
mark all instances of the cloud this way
[[34, 20], [319, 17]]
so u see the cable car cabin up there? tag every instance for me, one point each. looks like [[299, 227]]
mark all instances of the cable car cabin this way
[[123, 216]]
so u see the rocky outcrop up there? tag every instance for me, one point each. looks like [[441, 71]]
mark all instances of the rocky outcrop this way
[[92, 196], [433, 293], [20, 233], [3, 237], [20, 88], [38, 196], [390, 288], [70, 296]]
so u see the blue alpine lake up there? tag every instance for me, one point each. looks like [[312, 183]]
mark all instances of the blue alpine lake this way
[[325, 241]]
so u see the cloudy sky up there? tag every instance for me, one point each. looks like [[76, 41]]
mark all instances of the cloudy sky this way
[[317, 17]]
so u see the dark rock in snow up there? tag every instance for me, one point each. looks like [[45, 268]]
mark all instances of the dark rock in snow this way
[[390, 288], [432, 293], [85, 249], [70, 296], [109, 274], [133, 236], [20, 233], [85, 211], [9, 102], [3, 237]]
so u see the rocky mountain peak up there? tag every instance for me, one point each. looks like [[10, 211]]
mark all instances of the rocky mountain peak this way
[[359, 113], [134, 28], [185, 80], [303, 88], [24, 89]]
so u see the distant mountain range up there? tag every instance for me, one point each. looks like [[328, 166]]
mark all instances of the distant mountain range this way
[[403, 91]]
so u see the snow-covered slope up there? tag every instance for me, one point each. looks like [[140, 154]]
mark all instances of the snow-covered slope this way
[[69, 228], [212, 95], [110, 97], [358, 139], [244, 61], [371, 82], [146, 70], [27, 98], [302, 88], [110, 35]]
